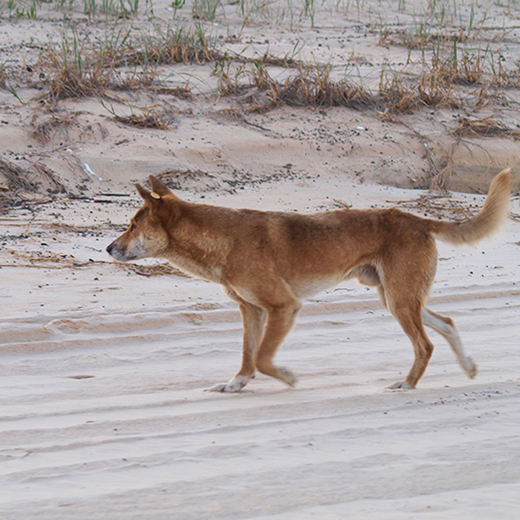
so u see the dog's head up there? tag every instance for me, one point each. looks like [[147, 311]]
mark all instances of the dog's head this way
[[147, 235]]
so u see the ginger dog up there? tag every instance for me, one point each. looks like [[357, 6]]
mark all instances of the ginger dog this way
[[269, 261]]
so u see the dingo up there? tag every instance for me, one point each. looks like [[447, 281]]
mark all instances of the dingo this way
[[269, 261]]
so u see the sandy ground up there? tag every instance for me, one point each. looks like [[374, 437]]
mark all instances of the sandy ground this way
[[103, 370], [103, 365]]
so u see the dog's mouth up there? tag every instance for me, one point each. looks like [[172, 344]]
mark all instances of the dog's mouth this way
[[116, 253], [123, 254]]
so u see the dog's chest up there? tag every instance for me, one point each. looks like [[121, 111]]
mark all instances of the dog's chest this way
[[209, 273]]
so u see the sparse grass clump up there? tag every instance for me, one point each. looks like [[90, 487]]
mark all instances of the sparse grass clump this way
[[483, 127], [76, 71], [206, 9], [44, 128], [312, 86], [182, 44], [397, 95], [153, 117], [81, 68], [448, 80]]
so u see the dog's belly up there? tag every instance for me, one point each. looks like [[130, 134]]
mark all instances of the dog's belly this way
[[307, 288]]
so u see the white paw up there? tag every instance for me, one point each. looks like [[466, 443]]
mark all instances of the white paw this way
[[287, 376], [233, 386], [470, 367], [401, 385]]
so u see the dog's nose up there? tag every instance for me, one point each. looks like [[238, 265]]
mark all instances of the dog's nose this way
[[110, 248]]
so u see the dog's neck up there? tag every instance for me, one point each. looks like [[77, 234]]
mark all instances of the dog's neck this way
[[199, 244]]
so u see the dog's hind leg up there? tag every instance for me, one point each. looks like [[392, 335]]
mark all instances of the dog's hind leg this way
[[253, 319], [408, 313], [446, 328]]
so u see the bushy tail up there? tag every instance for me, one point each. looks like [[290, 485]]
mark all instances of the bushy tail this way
[[486, 222]]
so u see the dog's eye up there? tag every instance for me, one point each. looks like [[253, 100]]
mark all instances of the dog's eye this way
[[132, 227]]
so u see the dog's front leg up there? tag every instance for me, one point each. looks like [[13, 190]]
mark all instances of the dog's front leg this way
[[279, 322], [253, 319]]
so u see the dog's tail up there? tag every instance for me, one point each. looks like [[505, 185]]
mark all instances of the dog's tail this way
[[486, 222]]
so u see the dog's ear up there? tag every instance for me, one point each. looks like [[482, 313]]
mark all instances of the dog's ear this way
[[145, 194], [158, 187]]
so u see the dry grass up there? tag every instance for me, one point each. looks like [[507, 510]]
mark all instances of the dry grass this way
[[397, 96], [441, 178], [443, 82], [484, 127], [3, 74], [44, 172], [228, 76], [422, 37], [15, 179], [50, 260], [15, 175], [436, 87], [72, 82], [182, 44], [310, 87], [79, 68], [153, 117], [441, 206], [45, 128]]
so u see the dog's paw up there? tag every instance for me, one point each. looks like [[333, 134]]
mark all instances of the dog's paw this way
[[401, 385], [233, 386], [287, 376], [470, 367]]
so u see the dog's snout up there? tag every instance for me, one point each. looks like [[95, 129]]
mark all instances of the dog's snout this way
[[111, 248]]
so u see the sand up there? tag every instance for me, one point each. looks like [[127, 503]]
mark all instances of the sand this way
[[103, 366]]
